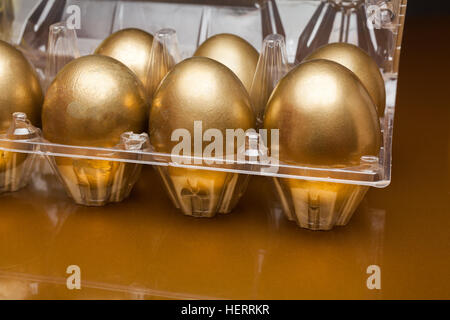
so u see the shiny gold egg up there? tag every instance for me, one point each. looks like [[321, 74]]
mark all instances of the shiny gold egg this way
[[234, 52], [19, 86], [20, 92], [92, 101], [199, 89], [326, 119], [358, 61], [325, 116], [130, 46]]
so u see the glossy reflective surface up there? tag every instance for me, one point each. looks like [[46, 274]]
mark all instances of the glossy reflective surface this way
[[143, 247]]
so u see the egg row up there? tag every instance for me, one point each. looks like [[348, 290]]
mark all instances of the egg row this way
[[326, 110]]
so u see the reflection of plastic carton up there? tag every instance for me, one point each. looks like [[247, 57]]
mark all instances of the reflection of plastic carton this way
[[203, 193], [97, 182], [318, 205]]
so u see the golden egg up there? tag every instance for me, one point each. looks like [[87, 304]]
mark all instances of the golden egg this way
[[92, 101], [234, 52], [132, 47], [325, 116], [199, 89], [325, 119], [358, 61], [28, 228], [19, 85], [20, 92]]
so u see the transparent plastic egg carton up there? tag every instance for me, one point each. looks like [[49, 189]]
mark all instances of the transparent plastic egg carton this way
[[284, 32]]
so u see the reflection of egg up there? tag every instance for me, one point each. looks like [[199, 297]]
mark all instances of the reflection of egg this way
[[199, 89], [325, 118], [234, 52], [130, 46], [19, 86], [92, 101], [358, 61]]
